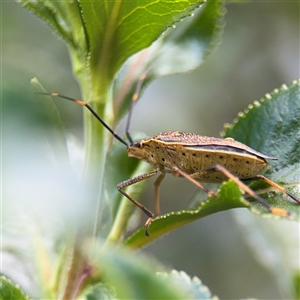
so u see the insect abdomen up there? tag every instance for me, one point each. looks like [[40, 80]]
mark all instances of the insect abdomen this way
[[197, 161]]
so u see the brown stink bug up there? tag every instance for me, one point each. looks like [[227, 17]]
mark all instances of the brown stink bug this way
[[194, 157]]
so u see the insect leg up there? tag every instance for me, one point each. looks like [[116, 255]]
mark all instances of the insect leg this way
[[194, 181], [276, 186], [244, 187], [134, 180], [157, 183]]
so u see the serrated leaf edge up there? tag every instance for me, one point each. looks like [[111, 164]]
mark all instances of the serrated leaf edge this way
[[3, 277], [190, 280], [257, 103]]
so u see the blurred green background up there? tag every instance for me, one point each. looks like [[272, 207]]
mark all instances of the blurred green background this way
[[259, 52]]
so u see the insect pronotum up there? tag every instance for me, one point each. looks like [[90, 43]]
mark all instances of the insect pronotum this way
[[194, 157]]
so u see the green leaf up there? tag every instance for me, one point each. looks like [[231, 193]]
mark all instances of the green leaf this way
[[135, 277], [10, 291], [184, 48], [193, 287], [180, 49], [102, 35], [131, 276], [229, 196], [272, 127], [65, 19], [118, 29]]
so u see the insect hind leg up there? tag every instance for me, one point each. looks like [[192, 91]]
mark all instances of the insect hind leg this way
[[276, 186], [245, 188]]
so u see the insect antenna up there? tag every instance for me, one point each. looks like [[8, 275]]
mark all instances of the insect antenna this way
[[134, 98], [82, 103]]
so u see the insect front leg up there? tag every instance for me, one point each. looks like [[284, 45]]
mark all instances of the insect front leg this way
[[134, 180]]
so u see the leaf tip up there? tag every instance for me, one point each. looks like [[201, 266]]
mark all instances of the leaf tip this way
[[34, 80]]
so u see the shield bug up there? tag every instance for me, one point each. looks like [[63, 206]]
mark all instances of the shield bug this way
[[194, 157]]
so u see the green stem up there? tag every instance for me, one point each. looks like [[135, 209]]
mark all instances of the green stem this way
[[120, 222], [97, 146], [96, 142]]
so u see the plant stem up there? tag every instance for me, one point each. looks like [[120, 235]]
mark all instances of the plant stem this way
[[120, 223]]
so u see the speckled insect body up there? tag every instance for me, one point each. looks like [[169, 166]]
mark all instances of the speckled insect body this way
[[194, 154]]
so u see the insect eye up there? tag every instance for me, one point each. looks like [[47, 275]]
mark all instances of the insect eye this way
[[136, 145]]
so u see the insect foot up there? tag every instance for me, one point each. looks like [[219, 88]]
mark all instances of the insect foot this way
[[147, 225], [276, 186]]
